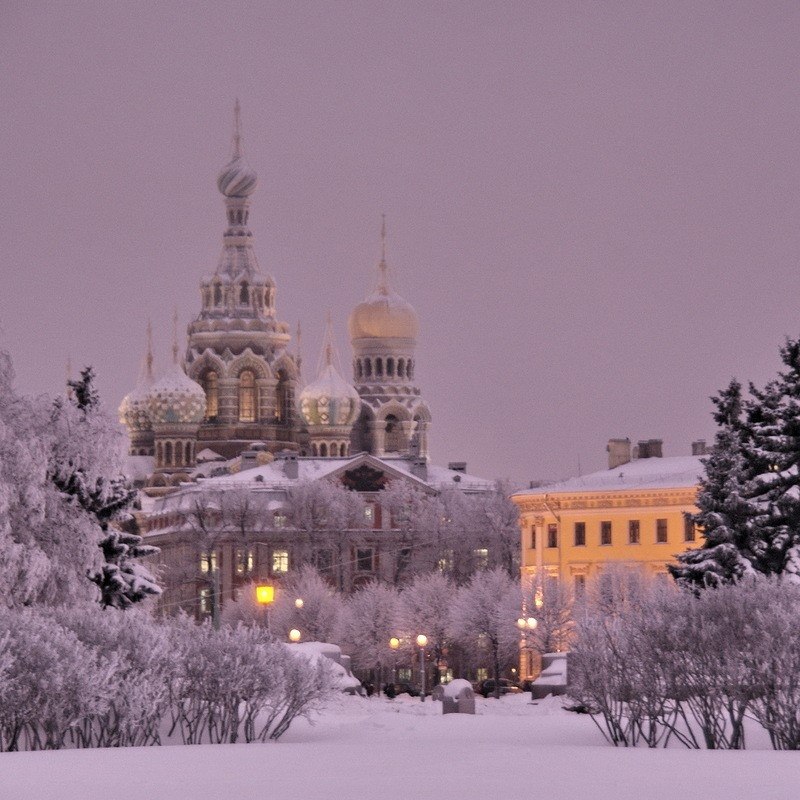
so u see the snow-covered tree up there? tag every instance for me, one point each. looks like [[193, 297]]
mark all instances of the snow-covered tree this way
[[725, 513], [550, 602], [484, 614]]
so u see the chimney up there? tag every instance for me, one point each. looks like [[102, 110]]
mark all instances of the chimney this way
[[458, 466], [699, 447], [419, 468], [619, 452], [291, 467], [249, 459], [650, 448]]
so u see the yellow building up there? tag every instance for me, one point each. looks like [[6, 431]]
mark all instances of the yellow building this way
[[632, 513]]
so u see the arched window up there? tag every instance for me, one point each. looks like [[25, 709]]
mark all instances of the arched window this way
[[211, 388], [217, 294], [359, 369], [368, 367], [390, 367], [244, 294], [284, 399], [247, 396], [401, 366], [168, 454], [323, 450], [378, 367], [410, 368], [159, 455], [187, 453], [394, 441]]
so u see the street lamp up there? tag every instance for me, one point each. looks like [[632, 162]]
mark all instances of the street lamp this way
[[525, 625], [422, 640], [265, 596], [298, 603], [294, 635], [394, 644]]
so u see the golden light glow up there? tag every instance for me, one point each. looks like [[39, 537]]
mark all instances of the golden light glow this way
[[265, 595], [531, 622], [294, 635], [521, 623], [538, 599], [422, 640], [394, 643], [299, 602]]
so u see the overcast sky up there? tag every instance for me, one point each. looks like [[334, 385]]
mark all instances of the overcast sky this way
[[592, 206]]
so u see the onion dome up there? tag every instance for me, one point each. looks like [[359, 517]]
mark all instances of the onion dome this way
[[384, 314], [134, 410], [330, 400], [175, 399], [237, 178]]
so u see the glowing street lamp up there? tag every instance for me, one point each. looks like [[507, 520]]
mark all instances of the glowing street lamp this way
[[294, 635], [265, 596], [422, 640], [394, 644], [298, 603]]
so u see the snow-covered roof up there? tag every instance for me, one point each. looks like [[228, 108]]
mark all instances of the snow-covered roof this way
[[138, 468], [676, 472]]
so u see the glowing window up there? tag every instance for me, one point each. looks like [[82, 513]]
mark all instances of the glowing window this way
[[211, 388], [280, 561], [247, 396], [208, 562]]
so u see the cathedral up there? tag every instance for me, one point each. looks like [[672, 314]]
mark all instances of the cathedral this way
[[238, 382]]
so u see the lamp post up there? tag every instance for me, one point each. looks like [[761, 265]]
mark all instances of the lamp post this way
[[422, 640], [394, 644], [265, 596], [294, 635], [526, 625]]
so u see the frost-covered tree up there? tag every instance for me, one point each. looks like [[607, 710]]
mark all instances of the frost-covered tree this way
[[370, 619], [550, 602], [84, 466], [424, 608], [725, 513], [484, 614]]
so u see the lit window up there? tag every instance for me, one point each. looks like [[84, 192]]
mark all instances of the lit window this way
[[605, 532], [481, 558], [404, 674], [279, 520], [206, 601], [633, 531], [580, 534], [552, 535], [482, 674], [688, 529], [661, 531], [369, 513], [280, 561], [445, 563], [245, 561], [364, 557], [211, 388], [247, 396], [208, 562]]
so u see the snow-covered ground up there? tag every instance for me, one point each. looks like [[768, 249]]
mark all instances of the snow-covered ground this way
[[382, 749]]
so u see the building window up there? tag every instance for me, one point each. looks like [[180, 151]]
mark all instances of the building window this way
[[633, 531], [482, 674], [278, 520], [247, 396], [445, 563], [394, 440], [552, 535], [533, 537], [580, 534], [206, 601], [211, 388], [661, 531], [605, 532], [323, 560], [688, 529], [481, 555], [245, 561], [404, 674], [580, 585], [208, 562], [364, 558], [280, 562], [404, 559], [369, 514]]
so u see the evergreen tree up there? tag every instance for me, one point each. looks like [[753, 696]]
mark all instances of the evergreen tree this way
[[724, 511], [749, 499], [74, 468]]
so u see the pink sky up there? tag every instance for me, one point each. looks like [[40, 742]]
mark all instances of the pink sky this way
[[592, 206]]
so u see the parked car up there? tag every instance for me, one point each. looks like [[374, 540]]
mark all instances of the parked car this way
[[487, 687], [394, 689]]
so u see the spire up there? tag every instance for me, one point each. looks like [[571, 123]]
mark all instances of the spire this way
[[383, 278], [237, 129], [328, 342], [148, 358], [299, 358], [175, 336]]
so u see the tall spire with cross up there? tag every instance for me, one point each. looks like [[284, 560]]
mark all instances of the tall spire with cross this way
[[383, 268]]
